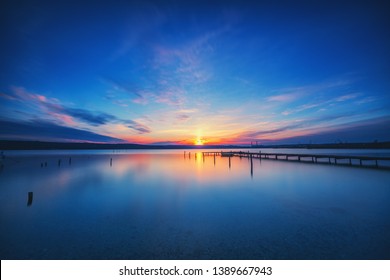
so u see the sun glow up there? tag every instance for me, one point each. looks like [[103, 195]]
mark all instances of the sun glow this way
[[199, 141]]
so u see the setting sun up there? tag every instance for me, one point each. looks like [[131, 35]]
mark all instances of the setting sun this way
[[199, 142]]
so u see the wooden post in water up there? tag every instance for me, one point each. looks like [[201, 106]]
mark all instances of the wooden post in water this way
[[251, 166], [29, 198], [229, 163], [111, 162], [214, 159], [59, 162], [70, 161]]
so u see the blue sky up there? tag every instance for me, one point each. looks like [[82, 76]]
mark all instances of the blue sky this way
[[188, 72]]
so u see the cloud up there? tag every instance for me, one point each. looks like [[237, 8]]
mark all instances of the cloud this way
[[366, 100], [301, 108], [301, 126], [171, 96], [141, 27], [359, 131], [47, 131], [22, 95], [286, 95], [182, 117], [188, 62], [127, 87], [94, 119], [178, 142], [261, 133], [97, 119], [7, 96], [67, 115], [162, 92], [339, 126], [188, 111], [138, 127], [283, 97], [346, 97], [171, 71]]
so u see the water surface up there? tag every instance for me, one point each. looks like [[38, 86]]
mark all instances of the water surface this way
[[167, 205]]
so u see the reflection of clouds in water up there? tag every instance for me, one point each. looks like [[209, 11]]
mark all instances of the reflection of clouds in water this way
[[187, 207]]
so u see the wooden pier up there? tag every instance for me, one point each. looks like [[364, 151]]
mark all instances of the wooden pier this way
[[349, 160]]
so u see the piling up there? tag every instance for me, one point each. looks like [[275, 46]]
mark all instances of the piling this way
[[111, 162], [251, 166], [59, 162], [29, 198]]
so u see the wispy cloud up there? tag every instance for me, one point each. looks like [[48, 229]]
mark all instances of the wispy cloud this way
[[182, 117], [170, 70], [165, 93], [7, 96], [288, 129], [294, 93], [365, 100], [171, 96], [128, 87], [142, 21], [48, 131], [67, 115], [138, 127], [188, 62], [301, 108], [347, 97], [322, 104], [283, 97]]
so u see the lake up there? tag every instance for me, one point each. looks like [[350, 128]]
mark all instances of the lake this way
[[170, 205]]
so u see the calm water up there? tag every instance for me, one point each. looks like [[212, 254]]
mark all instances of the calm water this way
[[162, 205]]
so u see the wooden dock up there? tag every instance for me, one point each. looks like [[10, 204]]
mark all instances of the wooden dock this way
[[349, 160]]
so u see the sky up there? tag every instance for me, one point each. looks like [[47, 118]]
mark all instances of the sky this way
[[195, 72]]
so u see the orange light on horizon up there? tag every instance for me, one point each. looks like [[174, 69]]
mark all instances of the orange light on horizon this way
[[199, 142]]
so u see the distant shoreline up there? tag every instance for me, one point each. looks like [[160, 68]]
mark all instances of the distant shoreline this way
[[39, 145]]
